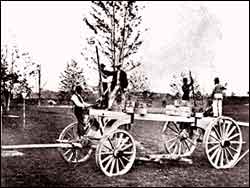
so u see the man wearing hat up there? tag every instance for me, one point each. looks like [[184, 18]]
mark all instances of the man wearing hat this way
[[118, 84], [80, 110]]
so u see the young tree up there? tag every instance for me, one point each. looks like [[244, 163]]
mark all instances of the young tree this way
[[138, 81], [16, 69], [116, 31], [71, 76], [177, 82]]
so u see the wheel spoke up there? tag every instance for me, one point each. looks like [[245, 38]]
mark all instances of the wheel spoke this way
[[71, 155], [126, 147], [106, 158], [110, 149], [214, 154], [213, 148], [121, 162], [70, 135], [186, 145], [176, 127], [125, 158], [231, 131], [233, 136], [222, 158], [112, 166], [111, 144], [128, 152], [227, 128], [106, 153], [119, 140], [65, 153], [214, 142], [190, 141], [217, 133], [217, 157], [176, 132], [214, 137], [220, 129], [235, 142], [76, 155], [231, 155], [108, 163], [223, 128], [117, 166], [172, 144], [233, 149], [123, 142], [175, 149], [226, 155], [180, 148], [171, 140]]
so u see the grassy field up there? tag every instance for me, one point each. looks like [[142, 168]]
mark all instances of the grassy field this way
[[44, 167]]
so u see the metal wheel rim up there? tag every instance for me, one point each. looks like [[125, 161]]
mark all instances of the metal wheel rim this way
[[174, 141], [116, 153], [73, 155], [223, 143]]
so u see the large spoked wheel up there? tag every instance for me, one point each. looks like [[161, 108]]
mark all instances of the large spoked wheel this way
[[75, 154], [223, 142], [178, 141], [116, 153]]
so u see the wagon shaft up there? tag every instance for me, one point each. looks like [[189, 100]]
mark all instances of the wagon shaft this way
[[37, 146]]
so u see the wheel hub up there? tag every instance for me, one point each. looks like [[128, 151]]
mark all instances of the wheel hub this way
[[117, 153], [225, 143]]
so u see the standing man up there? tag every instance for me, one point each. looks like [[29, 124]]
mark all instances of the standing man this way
[[118, 85], [80, 110], [186, 88], [105, 85], [217, 96]]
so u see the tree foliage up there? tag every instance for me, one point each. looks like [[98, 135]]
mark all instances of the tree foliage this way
[[71, 76], [115, 27], [138, 81]]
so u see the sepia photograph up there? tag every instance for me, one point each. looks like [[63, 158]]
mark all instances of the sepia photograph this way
[[124, 93]]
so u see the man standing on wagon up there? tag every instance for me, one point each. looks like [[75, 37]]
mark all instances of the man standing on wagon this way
[[80, 110], [118, 85], [217, 96], [186, 88]]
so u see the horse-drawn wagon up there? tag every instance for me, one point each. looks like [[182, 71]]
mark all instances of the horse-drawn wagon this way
[[108, 134]]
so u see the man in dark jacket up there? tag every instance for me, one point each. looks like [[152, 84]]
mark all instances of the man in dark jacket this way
[[186, 88], [118, 85]]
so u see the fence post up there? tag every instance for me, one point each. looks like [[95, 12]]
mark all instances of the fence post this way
[[24, 115]]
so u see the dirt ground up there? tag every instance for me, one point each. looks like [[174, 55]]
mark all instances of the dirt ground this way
[[45, 167]]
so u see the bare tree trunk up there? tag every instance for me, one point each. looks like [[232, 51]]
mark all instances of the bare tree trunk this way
[[113, 22], [123, 37]]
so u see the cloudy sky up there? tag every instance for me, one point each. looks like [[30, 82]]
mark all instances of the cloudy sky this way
[[209, 38]]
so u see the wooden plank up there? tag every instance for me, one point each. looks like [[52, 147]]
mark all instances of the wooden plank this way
[[109, 114], [12, 153], [11, 116], [164, 117], [146, 117]]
